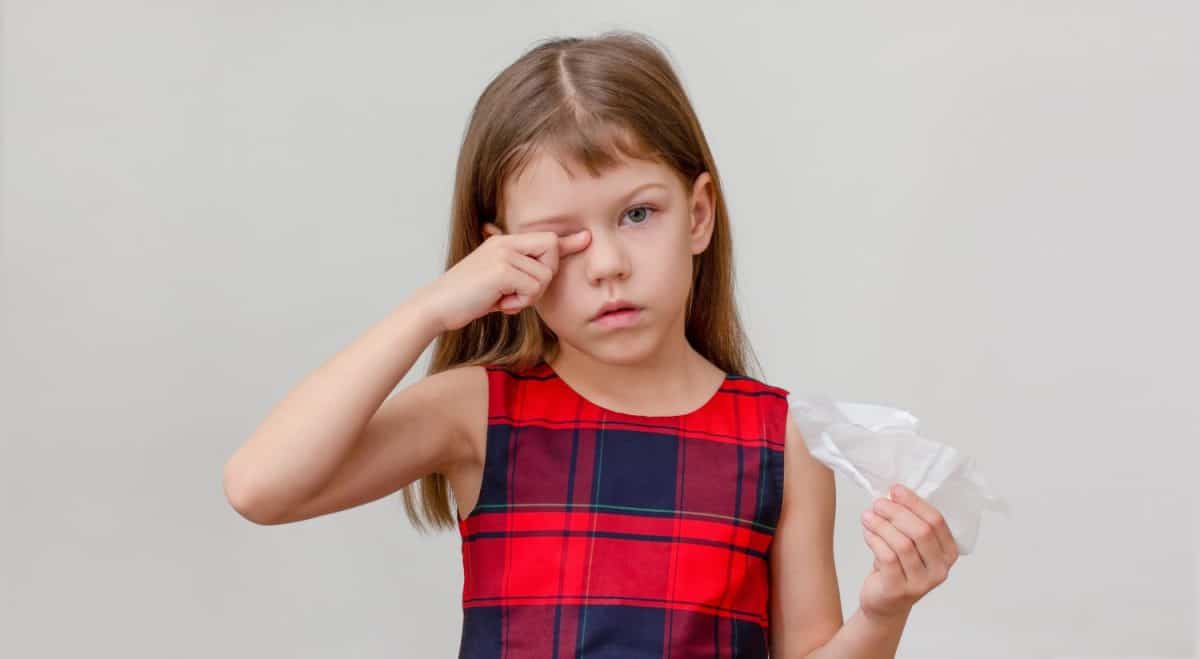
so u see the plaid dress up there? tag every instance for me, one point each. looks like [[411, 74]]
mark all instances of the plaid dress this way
[[602, 534]]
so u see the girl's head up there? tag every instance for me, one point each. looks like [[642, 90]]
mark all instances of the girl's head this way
[[647, 225], [567, 138]]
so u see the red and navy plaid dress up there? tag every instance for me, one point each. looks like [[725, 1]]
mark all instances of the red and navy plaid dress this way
[[602, 534]]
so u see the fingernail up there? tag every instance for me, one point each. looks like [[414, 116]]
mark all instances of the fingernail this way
[[897, 490]]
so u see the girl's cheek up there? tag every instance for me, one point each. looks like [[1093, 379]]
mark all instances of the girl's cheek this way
[[554, 290], [567, 270]]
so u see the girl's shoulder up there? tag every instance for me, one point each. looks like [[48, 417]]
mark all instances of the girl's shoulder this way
[[747, 382]]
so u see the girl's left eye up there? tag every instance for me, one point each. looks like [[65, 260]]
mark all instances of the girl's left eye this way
[[643, 206]]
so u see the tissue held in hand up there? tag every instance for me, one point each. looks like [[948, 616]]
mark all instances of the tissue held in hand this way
[[877, 446]]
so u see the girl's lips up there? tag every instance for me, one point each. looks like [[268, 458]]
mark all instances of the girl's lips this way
[[622, 318]]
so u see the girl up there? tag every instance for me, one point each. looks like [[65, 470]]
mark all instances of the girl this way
[[621, 486]]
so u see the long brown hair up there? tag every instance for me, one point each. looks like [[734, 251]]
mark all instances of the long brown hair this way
[[586, 100]]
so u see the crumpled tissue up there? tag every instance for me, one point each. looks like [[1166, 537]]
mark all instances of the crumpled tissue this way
[[877, 446]]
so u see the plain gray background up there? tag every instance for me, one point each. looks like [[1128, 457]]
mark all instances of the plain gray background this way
[[982, 212]]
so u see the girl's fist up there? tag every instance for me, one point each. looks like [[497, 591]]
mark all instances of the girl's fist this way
[[506, 273], [913, 549]]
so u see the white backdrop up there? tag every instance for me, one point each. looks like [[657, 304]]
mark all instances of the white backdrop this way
[[983, 212]]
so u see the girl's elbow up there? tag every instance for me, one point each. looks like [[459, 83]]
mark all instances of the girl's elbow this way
[[242, 499]]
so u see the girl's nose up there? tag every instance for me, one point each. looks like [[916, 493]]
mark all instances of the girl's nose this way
[[607, 258]]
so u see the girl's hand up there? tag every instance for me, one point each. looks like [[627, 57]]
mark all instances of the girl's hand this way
[[507, 273], [913, 553]]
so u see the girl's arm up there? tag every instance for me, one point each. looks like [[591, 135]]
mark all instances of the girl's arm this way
[[330, 445], [913, 549], [333, 442], [805, 603], [863, 636]]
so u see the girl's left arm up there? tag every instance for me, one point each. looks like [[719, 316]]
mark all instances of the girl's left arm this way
[[805, 602], [913, 551]]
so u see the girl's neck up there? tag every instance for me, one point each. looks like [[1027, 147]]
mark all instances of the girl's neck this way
[[672, 383]]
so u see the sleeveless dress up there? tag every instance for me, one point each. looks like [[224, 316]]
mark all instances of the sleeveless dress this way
[[600, 534]]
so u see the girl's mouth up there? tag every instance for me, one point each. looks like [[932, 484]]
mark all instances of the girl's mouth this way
[[625, 317]]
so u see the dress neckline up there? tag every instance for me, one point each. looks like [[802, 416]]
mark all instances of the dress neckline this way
[[703, 406]]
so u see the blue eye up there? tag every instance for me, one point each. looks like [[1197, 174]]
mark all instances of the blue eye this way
[[643, 206]]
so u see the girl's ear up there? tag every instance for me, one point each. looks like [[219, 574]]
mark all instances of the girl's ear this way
[[490, 229], [703, 212]]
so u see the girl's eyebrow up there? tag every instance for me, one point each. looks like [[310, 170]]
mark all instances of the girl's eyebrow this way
[[560, 218]]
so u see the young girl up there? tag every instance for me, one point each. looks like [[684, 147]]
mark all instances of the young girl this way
[[621, 486]]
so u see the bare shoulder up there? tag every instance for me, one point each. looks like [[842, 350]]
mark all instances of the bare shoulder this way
[[455, 402], [808, 488], [469, 403], [810, 476]]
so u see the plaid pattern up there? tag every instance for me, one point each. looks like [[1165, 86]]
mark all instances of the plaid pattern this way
[[600, 534]]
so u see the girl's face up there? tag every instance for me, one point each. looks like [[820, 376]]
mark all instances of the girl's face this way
[[645, 227]]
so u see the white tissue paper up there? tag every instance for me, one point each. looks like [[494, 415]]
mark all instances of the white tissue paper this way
[[877, 446]]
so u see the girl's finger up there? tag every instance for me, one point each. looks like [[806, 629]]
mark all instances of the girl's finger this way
[[534, 268], [925, 510], [899, 543], [510, 303], [918, 530], [525, 284], [574, 242], [518, 293], [886, 560], [540, 245]]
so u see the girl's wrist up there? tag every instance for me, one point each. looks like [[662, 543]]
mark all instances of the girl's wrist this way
[[887, 619], [419, 308]]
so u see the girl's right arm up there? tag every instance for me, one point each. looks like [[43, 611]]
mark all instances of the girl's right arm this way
[[317, 430], [334, 442]]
